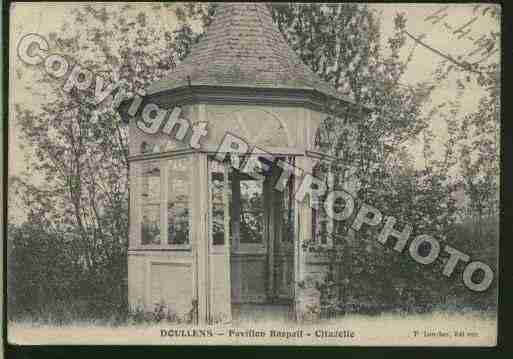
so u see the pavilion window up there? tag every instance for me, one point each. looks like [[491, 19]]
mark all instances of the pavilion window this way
[[150, 198], [178, 200], [218, 200], [247, 207], [165, 202]]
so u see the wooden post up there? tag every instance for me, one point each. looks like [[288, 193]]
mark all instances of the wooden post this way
[[235, 265], [269, 224], [236, 210], [303, 224], [227, 244], [201, 237]]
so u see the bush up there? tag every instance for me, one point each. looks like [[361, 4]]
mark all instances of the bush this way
[[47, 283]]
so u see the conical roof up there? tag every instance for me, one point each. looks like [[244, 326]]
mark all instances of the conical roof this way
[[243, 47]]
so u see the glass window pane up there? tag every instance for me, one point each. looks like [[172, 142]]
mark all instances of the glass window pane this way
[[287, 225], [251, 211], [178, 201], [218, 205], [246, 207], [150, 203]]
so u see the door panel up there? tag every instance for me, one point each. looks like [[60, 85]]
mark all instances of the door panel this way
[[248, 278], [283, 252], [249, 245]]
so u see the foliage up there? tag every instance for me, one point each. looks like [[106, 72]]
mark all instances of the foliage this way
[[475, 136], [161, 313], [48, 282]]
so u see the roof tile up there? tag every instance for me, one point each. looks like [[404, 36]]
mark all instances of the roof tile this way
[[243, 47]]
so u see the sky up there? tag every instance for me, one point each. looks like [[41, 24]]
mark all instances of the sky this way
[[43, 18]]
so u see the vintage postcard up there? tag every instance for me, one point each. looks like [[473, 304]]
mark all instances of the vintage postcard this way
[[253, 174]]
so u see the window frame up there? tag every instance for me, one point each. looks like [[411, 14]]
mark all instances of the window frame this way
[[164, 164], [240, 247], [218, 248], [152, 202]]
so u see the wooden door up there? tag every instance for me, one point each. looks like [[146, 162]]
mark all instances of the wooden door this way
[[249, 245], [282, 255]]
